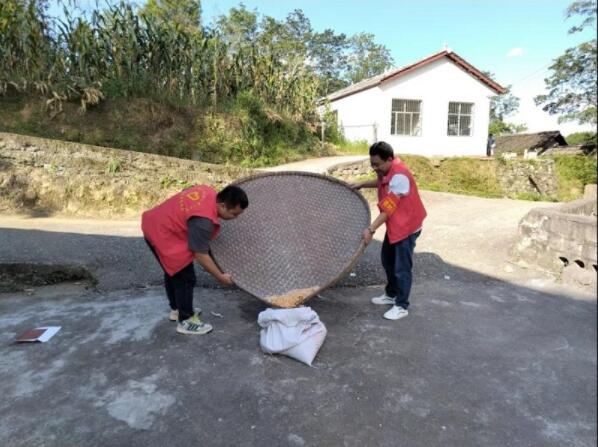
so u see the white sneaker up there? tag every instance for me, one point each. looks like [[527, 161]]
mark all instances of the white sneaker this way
[[174, 314], [383, 299], [193, 326], [395, 313]]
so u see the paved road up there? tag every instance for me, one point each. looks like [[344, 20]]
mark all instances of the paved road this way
[[478, 362]]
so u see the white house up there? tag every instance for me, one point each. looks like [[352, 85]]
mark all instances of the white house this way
[[437, 106]]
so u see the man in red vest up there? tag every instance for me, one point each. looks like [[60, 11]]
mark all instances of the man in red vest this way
[[179, 231], [403, 212]]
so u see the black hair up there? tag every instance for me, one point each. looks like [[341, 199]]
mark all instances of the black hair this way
[[233, 196], [382, 150]]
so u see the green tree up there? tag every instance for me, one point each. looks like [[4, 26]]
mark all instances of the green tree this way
[[184, 13], [327, 53], [572, 84], [239, 28], [287, 41], [297, 34], [366, 58], [499, 127], [501, 107]]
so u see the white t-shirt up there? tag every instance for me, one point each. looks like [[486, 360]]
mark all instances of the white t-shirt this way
[[399, 185]]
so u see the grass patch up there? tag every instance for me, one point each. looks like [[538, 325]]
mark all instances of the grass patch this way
[[170, 182], [573, 173], [458, 175], [114, 165], [533, 197], [352, 148]]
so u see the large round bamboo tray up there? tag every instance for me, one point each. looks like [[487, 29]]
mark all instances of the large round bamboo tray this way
[[301, 233]]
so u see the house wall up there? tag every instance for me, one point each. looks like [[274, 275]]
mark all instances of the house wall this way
[[357, 115], [435, 85]]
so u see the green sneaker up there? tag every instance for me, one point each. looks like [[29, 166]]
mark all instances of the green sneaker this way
[[193, 326]]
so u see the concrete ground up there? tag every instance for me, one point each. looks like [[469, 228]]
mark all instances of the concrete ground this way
[[490, 354], [478, 362]]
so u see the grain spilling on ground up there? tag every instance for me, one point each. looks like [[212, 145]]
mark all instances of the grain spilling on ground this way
[[292, 298]]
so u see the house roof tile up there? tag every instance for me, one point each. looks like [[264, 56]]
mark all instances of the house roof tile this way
[[519, 142]]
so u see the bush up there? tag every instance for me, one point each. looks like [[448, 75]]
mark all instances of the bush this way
[[459, 175], [114, 165], [581, 138], [573, 173], [249, 133], [332, 133]]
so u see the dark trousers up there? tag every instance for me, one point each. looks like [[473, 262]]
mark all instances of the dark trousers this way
[[397, 260], [179, 288]]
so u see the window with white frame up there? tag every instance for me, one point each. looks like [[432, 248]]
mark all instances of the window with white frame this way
[[460, 119], [405, 117]]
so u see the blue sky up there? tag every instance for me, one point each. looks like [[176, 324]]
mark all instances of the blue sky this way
[[514, 39], [482, 31]]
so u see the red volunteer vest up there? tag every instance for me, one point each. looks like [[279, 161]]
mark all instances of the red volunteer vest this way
[[165, 226], [405, 213]]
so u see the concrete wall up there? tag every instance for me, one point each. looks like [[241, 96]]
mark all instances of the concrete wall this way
[[435, 85], [561, 240]]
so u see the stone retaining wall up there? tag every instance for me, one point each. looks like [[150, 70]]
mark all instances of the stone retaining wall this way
[[351, 169], [43, 177], [528, 176]]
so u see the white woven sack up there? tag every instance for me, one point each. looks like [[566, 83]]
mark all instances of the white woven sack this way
[[297, 333]]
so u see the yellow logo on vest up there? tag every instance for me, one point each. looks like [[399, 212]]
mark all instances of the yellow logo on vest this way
[[388, 205], [195, 195], [190, 200]]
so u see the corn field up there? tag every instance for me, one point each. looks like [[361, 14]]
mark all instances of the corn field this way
[[120, 52]]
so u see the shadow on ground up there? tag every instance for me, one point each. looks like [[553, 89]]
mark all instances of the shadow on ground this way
[[478, 362], [125, 262]]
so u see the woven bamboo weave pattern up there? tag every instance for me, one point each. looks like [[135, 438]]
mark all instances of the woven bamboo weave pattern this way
[[300, 234]]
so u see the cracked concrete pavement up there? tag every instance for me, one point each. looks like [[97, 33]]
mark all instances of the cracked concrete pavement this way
[[479, 362]]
